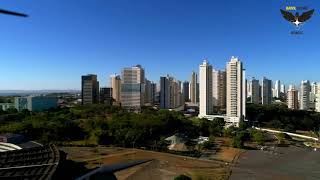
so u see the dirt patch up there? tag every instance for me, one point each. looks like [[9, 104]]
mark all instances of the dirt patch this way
[[228, 154], [163, 167]]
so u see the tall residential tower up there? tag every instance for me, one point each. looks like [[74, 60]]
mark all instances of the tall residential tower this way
[[292, 98], [255, 91], [205, 89], [305, 95], [116, 87], [193, 87], [266, 91], [236, 99]]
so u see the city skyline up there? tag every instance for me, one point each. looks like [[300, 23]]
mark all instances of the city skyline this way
[[107, 82], [50, 49]]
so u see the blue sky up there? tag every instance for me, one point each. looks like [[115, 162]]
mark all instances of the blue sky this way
[[64, 39]]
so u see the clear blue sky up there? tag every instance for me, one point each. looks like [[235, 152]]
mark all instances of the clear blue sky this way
[[64, 39]]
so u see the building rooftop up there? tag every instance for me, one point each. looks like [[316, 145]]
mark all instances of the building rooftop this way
[[33, 163]]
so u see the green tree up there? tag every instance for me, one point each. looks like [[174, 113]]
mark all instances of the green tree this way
[[259, 137], [238, 140]]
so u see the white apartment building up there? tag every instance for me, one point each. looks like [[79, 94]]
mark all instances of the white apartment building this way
[[305, 95], [236, 99], [205, 88]]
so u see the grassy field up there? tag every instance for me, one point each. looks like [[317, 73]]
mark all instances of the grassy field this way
[[164, 166]]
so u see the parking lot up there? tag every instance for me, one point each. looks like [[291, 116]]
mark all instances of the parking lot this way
[[278, 163]]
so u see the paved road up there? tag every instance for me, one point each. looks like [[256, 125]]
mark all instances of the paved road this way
[[280, 163], [290, 134]]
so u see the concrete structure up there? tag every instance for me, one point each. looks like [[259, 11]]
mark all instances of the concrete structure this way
[[170, 93], [179, 99], [132, 88], [254, 91], [273, 92], [36, 103], [222, 88], [249, 89], [205, 79], [165, 92], [215, 87], [292, 98], [6, 106], [313, 95], [153, 93], [305, 95], [193, 88], [21, 103], [30, 163], [219, 88], [41, 103], [314, 88], [317, 103], [157, 98], [106, 96], [236, 99], [4, 147], [277, 88], [283, 89], [89, 89], [266, 91], [148, 93], [197, 92], [116, 87], [185, 91]]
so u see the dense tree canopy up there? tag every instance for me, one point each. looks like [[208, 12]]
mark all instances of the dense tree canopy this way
[[99, 124], [280, 117]]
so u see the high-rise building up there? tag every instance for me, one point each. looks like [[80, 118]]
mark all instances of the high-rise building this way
[[193, 88], [185, 90], [266, 91], [148, 93], [170, 93], [106, 96], [249, 89], [198, 92], [116, 87], [314, 88], [283, 89], [305, 95], [255, 91], [313, 95], [222, 78], [165, 93], [317, 98], [215, 86], [205, 78], [177, 93], [158, 89], [90, 89], [292, 87], [292, 98], [153, 93], [219, 88], [273, 92], [236, 100], [132, 88], [277, 87]]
